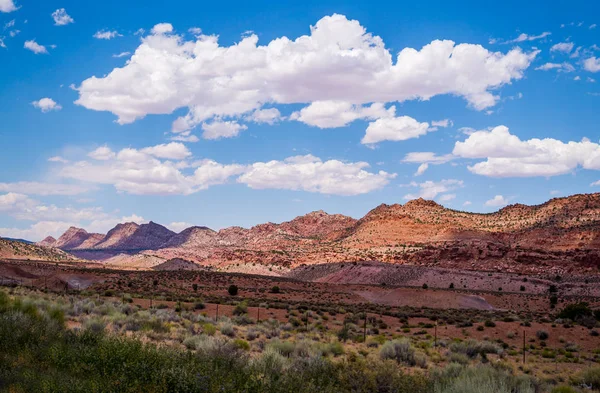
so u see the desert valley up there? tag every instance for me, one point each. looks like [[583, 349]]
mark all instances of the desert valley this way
[[420, 271]]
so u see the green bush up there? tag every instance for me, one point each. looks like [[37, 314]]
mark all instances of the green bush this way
[[399, 350], [233, 290]]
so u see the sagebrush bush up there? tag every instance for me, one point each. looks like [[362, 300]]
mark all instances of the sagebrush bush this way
[[399, 350]]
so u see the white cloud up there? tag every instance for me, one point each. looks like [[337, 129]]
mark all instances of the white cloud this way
[[37, 188], [179, 226], [427, 157], [195, 30], [421, 169], [338, 61], [467, 203], [526, 37], [593, 26], [2, 44], [394, 129], [171, 151], [58, 159], [592, 64], [577, 78], [309, 173], [122, 54], [332, 114], [498, 200], [185, 138], [222, 129], [162, 28], [22, 207], [442, 123], [447, 197], [8, 6], [9, 24], [596, 183], [35, 47], [268, 116], [560, 67], [107, 35], [508, 156], [431, 189], [38, 231], [61, 17], [564, 47], [143, 172], [46, 105], [103, 153]]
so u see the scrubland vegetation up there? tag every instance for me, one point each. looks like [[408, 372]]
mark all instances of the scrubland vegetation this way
[[72, 343]]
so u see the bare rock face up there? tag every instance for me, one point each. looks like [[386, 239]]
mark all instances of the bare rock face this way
[[131, 236], [77, 238], [48, 241], [193, 237]]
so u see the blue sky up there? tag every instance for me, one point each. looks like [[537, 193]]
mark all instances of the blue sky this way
[[240, 113]]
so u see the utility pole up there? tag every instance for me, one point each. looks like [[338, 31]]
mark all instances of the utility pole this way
[[435, 339], [217, 318], [258, 318], [523, 346], [365, 329]]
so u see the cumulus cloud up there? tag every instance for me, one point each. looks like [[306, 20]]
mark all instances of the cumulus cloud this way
[[596, 183], [142, 171], [338, 62], [268, 116], [22, 207], [8, 6], [46, 105], [331, 114], [508, 156], [560, 67], [107, 34], [310, 173], [179, 226], [162, 28], [564, 47], [427, 157], [35, 47], [497, 201], [171, 151], [592, 64], [58, 159], [394, 129], [222, 129], [102, 153], [442, 123], [61, 17], [38, 231], [37, 188], [431, 189]]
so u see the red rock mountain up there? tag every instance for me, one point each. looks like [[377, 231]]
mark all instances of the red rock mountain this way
[[77, 238], [49, 241], [131, 236], [561, 234]]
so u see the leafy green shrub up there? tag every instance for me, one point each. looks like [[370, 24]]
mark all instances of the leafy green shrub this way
[[481, 379], [233, 290], [542, 335]]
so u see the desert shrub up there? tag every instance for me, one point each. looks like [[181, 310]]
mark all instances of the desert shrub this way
[[241, 308], [399, 350], [542, 335], [285, 348], [336, 348], [241, 344], [472, 348], [574, 310], [233, 290], [275, 289], [425, 286], [481, 379], [459, 358], [489, 323], [252, 334], [591, 377], [564, 389], [199, 305], [227, 329]]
